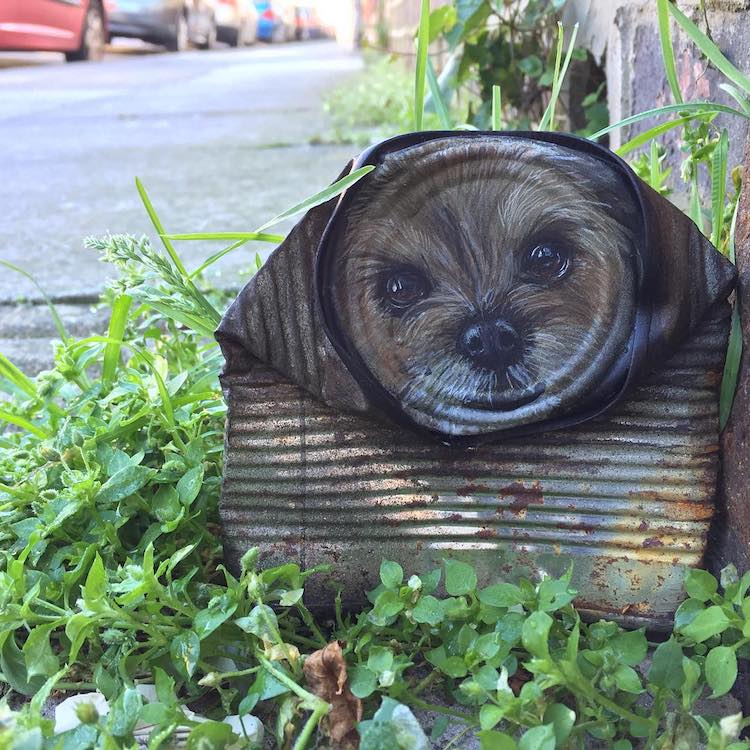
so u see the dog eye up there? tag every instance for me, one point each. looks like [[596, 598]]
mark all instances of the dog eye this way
[[546, 262], [404, 288]]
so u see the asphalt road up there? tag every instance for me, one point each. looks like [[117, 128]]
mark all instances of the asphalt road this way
[[221, 139]]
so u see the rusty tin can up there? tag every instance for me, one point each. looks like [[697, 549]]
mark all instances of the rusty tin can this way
[[621, 483]]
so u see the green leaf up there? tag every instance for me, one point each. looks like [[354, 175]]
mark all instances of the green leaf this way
[[96, 581], [666, 665], [77, 629], [562, 720], [219, 609], [627, 680], [453, 666], [700, 584], [442, 19], [709, 622], [538, 738], [24, 424], [124, 483], [630, 646], [211, 735], [490, 715], [710, 50], [261, 622], [501, 595], [721, 670], [697, 108], [718, 186], [189, 485], [460, 578], [428, 610], [123, 714], [548, 119], [436, 95], [391, 574], [37, 652], [321, 197], [490, 740], [535, 634], [553, 594], [380, 659], [290, 598], [61, 332], [531, 66], [117, 324], [423, 45], [185, 650], [362, 681], [667, 50], [731, 368], [497, 108], [13, 667]]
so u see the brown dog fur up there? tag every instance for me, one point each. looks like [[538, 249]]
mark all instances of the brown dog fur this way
[[465, 212]]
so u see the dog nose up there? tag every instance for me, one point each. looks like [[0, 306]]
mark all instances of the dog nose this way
[[491, 344]]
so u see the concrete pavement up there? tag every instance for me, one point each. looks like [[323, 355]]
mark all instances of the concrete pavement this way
[[221, 139]]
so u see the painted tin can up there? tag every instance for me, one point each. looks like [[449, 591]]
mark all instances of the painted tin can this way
[[620, 481]]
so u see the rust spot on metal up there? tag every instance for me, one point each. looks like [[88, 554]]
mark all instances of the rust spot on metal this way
[[472, 489], [486, 533], [653, 541], [521, 496]]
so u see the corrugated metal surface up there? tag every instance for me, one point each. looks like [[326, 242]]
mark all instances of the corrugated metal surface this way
[[627, 499]]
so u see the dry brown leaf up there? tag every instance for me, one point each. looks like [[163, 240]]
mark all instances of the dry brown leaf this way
[[325, 673]]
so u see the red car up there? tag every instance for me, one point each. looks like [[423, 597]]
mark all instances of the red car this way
[[76, 27]]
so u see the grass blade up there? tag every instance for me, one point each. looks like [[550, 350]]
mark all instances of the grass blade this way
[[718, 186], [151, 211], [423, 45], [694, 208], [655, 132], [17, 378], [216, 257], [731, 369], [497, 108], [241, 238], [117, 324], [667, 49], [323, 196], [24, 424], [548, 120], [245, 236], [437, 98], [212, 314], [737, 95], [710, 50], [61, 332], [654, 165], [703, 108]]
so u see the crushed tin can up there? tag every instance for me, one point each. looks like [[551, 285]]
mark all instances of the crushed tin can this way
[[502, 348]]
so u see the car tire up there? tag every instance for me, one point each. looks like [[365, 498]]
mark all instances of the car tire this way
[[93, 36], [179, 40]]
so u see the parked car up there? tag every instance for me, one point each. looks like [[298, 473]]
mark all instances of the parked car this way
[[236, 22], [276, 21], [172, 23], [79, 29], [307, 23]]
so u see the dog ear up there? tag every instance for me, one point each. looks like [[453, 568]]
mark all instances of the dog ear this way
[[275, 320], [684, 277]]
